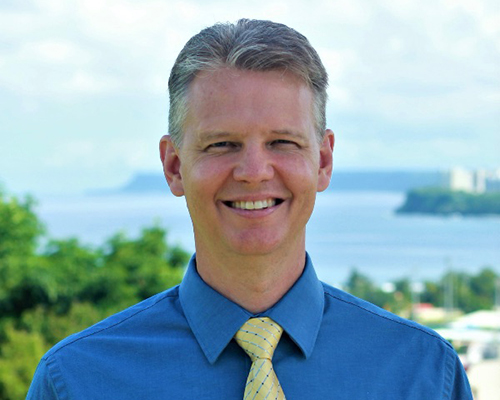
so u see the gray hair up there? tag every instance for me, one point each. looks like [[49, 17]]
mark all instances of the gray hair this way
[[247, 45]]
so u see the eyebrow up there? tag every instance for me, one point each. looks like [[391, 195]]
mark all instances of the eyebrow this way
[[286, 132], [212, 136], [215, 135], [218, 135]]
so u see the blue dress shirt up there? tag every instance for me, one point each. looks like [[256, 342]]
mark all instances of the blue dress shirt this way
[[178, 345]]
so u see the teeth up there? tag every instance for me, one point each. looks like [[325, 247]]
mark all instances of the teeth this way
[[253, 205]]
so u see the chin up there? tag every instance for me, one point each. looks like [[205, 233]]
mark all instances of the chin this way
[[258, 245]]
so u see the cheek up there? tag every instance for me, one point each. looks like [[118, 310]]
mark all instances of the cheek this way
[[302, 170], [203, 176]]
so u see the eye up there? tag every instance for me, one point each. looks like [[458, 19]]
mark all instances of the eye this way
[[221, 146], [284, 143]]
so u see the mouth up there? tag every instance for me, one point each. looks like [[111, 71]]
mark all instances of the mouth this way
[[253, 205]]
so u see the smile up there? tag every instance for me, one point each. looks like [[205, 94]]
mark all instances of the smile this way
[[253, 205]]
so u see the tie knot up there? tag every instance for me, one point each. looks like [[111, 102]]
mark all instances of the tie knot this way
[[259, 337]]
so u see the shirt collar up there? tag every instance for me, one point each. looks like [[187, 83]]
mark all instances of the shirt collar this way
[[299, 312]]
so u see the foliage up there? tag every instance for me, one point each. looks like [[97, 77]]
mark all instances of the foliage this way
[[471, 292], [468, 292], [49, 292], [361, 286], [396, 300], [20, 227], [19, 356], [445, 202]]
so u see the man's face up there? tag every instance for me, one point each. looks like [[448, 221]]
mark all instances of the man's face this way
[[250, 163]]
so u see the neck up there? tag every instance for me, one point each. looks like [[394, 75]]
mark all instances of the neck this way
[[255, 282]]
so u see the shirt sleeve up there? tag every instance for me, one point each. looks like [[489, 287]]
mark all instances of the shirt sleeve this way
[[42, 387], [459, 383]]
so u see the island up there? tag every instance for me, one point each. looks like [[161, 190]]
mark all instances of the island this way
[[442, 201]]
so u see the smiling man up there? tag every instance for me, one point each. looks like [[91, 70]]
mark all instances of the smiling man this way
[[250, 164], [249, 150]]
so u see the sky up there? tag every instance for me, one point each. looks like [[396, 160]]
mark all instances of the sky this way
[[414, 84]]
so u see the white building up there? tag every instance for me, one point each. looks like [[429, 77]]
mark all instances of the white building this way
[[473, 181]]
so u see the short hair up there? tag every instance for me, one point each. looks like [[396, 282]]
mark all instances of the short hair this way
[[254, 45]]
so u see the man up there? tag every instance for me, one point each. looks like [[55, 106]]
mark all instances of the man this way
[[248, 149]]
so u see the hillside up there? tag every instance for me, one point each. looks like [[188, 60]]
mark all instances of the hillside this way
[[446, 202]]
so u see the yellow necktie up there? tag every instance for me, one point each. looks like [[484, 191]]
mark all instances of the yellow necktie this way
[[259, 338]]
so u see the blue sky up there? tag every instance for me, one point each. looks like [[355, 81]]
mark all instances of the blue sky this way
[[414, 84]]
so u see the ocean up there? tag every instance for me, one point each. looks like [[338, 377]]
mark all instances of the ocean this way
[[348, 229]]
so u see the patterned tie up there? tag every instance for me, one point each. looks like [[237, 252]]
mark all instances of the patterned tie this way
[[259, 338]]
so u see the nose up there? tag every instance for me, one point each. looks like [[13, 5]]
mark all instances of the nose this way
[[254, 165]]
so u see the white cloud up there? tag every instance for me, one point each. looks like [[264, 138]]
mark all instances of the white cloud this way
[[347, 11], [427, 153], [417, 65], [135, 42], [87, 154], [51, 52], [84, 82], [59, 52]]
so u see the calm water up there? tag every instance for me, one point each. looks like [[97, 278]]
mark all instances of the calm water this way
[[347, 229]]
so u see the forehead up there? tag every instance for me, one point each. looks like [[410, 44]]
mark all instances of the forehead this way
[[234, 97]]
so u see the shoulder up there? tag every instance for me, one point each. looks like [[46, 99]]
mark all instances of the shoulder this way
[[131, 321], [355, 310], [403, 353], [119, 346]]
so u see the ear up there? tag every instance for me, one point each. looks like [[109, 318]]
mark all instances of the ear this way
[[169, 155], [325, 160]]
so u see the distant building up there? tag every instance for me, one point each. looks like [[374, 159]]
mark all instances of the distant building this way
[[473, 181], [426, 313], [460, 179], [493, 181]]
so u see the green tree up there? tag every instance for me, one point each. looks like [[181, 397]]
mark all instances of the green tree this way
[[54, 326], [482, 287], [71, 268], [20, 228], [20, 231], [433, 293], [435, 200], [361, 286], [140, 268], [50, 291], [19, 355]]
